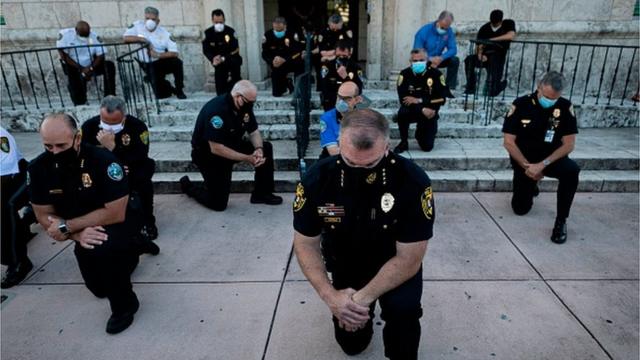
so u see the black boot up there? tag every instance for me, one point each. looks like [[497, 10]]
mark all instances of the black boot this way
[[118, 323], [559, 234], [15, 274], [269, 199], [401, 147]]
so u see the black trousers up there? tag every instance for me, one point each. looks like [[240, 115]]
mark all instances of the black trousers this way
[[452, 64], [217, 170], [158, 70], [107, 269], [14, 231], [226, 76], [140, 182], [401, 311], [495, 69], [279, 75], [567, 173], [426, 129], [78, 85]]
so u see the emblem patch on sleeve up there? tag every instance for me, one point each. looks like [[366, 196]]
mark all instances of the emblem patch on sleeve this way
[[300, 200], [573, 113], [217, 122], [511, 111], [4, 144], [400, 79], [427, 202], [144, 137], [443, 81], [323, 126], [114, 171]]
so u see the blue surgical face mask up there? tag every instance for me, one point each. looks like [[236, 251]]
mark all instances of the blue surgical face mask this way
[[279, 34], [419, 67], [441, 31], [342, 106], [546, 103]]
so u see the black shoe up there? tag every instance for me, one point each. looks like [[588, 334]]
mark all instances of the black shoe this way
[[118, 324], [185, 184], [15, 274], [268, 199], [536, 191], [180, 94], [146, 246], [150, 232], [559, 234], [401, 147]]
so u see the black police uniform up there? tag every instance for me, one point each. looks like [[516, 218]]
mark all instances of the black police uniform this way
[[93, 179], [225, 44], [496, 53], [430, 87], [328, 38], [361, 214], [132, 151], [219, 121], [538, 134], [288, 47], [331, 81]]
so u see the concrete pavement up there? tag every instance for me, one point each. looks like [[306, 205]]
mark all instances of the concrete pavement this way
[[226, 287]]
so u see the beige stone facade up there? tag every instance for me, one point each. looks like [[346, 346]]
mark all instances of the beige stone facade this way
[[384, 41]]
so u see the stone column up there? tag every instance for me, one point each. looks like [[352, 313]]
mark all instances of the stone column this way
[[375, 29], [253, 29], [408, 19]]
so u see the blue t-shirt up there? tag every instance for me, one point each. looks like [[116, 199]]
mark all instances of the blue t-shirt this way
[[428, 38], [329, 128]]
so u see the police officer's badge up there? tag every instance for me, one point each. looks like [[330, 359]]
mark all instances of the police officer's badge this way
[[324, 71], [351, 75], [217, 122], [400, 79], [299, 201], [144, 137], [114, 171], [286, 41], [319, 38], [295, 37], [227, 38], [350, 33], [246, 118], [429, 82], [443, 81], [512, 110], [4, 144], [86, 180], [340, 37], [556, 113], [427, 202], [126, 139], [372, 178], [386, 202]]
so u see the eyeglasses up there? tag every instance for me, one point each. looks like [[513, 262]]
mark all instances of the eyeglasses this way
[[246, 101]]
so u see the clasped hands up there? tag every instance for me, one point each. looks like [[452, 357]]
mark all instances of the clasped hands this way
[[350, 309]]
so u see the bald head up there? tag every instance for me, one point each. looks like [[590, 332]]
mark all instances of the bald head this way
[[349, 88], [83, 28], [59, 132]]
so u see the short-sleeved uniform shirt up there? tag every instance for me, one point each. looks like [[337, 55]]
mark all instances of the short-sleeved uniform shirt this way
[[288, 47], [160, 39], [10, 155], [219, 121], [95, 179], [331, 81], [329, 128], [82, 55], [429, 86], [486, 33], [361, 217], [530, 123], [224, 43], [328, 38]]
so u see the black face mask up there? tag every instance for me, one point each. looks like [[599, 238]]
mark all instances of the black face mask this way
[[246, 108], [66, 158], [342, 60]]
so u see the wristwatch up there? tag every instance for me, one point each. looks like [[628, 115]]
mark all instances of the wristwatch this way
[[546, 162], [63, 228]]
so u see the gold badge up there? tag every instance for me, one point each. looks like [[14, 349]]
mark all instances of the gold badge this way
[[86, 180], [386, 202], [525, 122], [427, 202], [144, 137], [299, 201], [429, 82], [512, 110], [319, 38], [371, 178], [340, 37], [227, 38], [246, 117], [351, 75], [400, 78], [286, 41], [556, 113], [126, 139]]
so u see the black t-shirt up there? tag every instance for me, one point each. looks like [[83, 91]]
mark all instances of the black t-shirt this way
[[486, 33], [220, 122], [361, 220], [530, 122], [429, 86]]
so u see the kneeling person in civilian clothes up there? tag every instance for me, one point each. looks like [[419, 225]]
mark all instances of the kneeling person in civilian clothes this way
[[218, 144]]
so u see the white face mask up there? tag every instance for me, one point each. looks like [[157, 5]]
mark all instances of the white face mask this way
[[218, 27], [113, 128], [82, 38], [495, 28], [150, 25]]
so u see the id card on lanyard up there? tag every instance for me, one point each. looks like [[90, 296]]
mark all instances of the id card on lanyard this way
[[548, 137]]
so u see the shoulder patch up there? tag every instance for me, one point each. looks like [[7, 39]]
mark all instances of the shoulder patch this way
[[349, 33], [217, 122], [130, 26], [443, 81], [571, 111], [264, 39], [426, 199], [400, 80], [512, 110], [4, 144], [144, 137], [60, 36], [172, 38], [99, 38], [323, 125], [114, 171], [300, 200]]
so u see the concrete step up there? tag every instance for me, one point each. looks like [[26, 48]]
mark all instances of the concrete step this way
[[443, 181], [288, 131]]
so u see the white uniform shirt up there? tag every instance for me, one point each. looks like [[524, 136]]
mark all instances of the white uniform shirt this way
[[9, 154], [83, 55], [160, 39]]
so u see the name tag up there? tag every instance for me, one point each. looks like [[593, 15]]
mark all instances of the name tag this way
[[55, 191], [549, 136]]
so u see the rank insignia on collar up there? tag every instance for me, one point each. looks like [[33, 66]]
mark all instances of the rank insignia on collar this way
[[227, 38], [4, 144], [427, 202], [371, 178], [86, 180], [300, 200], [556, 113], [114, 171], [386, 202], [126, 139], [429, 82]]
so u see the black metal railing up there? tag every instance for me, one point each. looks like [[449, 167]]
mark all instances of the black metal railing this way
[[595, 74], [302, 104], [36, 79]]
